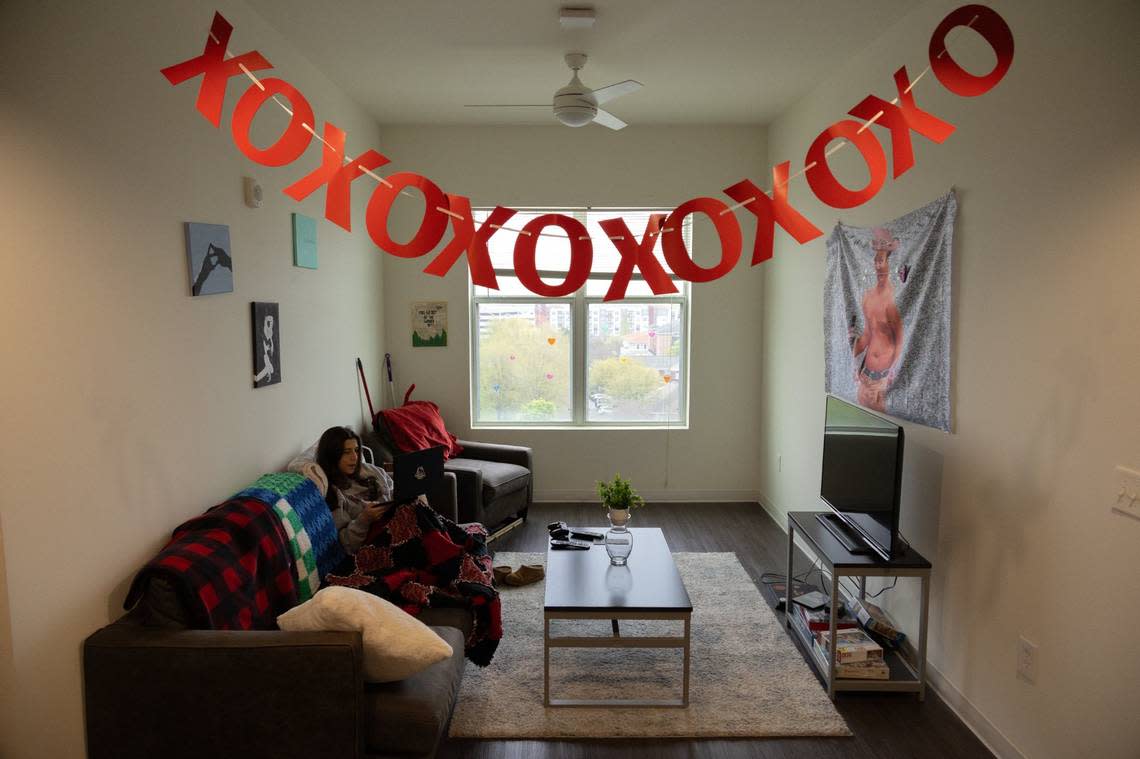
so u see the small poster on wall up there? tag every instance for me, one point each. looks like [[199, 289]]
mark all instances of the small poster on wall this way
[[304, 241], [208, 253], [266, 344], [886, 314], [429, 324]]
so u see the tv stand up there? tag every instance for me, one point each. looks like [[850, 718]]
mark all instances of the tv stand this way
[[847, 537], [814, 529]]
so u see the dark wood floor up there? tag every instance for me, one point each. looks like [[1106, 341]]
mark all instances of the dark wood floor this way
[[884, 725]]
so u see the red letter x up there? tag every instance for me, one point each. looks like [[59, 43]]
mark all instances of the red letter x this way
[[636, 254], [338, 175], [772, 211], [473, 241], [900, 119], [215, 69]]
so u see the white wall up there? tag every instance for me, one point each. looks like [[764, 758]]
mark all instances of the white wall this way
[[127, 405], [715, 458], [1013, 506]]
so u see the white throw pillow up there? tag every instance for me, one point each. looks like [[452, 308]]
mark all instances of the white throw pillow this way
[[396, 644]]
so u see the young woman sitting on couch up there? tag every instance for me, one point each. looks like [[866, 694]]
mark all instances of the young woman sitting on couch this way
[[407, 553], [356, 498]]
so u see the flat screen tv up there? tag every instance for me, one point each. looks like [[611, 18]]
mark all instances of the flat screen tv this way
[[862, 477]]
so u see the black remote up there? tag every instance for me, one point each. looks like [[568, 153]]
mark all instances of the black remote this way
[[569, 545], [589, 536]]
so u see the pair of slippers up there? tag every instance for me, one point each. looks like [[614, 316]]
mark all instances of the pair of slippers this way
[[524, 575]]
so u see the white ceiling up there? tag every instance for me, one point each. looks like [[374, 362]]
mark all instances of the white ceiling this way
[[701, 61]]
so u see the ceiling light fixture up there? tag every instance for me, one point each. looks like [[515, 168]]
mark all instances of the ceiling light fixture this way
[[576, 18]]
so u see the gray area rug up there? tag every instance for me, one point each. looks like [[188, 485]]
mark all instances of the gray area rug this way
[[746, 678]]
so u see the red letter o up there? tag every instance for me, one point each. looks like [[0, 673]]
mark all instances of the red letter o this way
[[581, 255], [432, 225], [673, 243], [292, 143], [824, 184], [993, 29]]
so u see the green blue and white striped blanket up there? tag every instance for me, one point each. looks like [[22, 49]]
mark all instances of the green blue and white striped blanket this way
[[307, 521]]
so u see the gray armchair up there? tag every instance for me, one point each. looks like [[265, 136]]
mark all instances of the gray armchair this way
[[489, 483], [495, 481]]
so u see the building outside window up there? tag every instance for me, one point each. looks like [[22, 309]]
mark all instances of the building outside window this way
[[578, 360]]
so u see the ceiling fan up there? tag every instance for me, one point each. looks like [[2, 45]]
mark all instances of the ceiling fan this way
[[576, 104]]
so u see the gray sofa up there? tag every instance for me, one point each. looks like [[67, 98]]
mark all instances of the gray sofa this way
[[160, 692], [154, 688]]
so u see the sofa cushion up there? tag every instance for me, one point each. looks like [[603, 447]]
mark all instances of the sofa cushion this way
[[396, 644], [448, 616], [499, 479], [409, 716]]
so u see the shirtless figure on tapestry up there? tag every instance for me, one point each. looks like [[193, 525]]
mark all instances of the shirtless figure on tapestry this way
[[882, 338]]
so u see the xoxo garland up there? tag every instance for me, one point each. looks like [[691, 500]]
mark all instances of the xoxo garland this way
[[899, 117]]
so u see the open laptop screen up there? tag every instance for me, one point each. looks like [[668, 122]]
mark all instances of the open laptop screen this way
[[416, 473]]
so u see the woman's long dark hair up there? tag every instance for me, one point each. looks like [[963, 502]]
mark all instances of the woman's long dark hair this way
[[329, 450]]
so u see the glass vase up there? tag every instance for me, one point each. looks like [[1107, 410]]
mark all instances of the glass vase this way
[[619, 540]]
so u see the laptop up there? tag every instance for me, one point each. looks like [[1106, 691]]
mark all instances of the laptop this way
[[416, 473]]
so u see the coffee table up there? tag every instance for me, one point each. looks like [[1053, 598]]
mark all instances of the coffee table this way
[[577, 587]]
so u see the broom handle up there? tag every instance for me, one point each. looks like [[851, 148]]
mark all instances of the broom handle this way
[[360, 368], [391, 385]]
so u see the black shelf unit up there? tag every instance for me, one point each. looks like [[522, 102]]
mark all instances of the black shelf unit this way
[[906, 676]]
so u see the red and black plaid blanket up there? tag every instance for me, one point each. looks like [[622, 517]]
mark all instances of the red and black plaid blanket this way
[[416, 558], [231, 567]]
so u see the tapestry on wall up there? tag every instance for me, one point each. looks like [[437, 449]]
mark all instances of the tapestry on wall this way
[[886, 314]]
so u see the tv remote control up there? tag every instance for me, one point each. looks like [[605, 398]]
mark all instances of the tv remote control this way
[[570, 545]]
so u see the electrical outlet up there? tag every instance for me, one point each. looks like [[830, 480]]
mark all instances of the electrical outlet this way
[[1127, 492], [1026, 660]]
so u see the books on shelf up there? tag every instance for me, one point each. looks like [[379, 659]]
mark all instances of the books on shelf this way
[[851, 645], [875, 621], [871, 669], [820, 619]]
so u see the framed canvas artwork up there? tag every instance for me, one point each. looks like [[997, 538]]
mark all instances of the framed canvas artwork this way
[[266, 344], [429, 324], [211, 261], [304, 241]]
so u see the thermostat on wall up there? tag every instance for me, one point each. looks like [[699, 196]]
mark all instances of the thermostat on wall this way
[[253, 195]]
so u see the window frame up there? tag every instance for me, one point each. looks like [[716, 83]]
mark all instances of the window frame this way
[[579, 304]]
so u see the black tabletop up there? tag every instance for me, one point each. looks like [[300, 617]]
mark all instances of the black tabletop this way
[[586, 581], [837, 556]]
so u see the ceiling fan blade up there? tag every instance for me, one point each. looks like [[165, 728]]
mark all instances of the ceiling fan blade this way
[[507, 105], [607, 119], [605, 94]]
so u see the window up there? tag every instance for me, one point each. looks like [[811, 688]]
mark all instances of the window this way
[[577, 360]]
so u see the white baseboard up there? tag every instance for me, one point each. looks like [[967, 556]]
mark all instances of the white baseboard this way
[[652, 496], [986, 731], [979, 725]]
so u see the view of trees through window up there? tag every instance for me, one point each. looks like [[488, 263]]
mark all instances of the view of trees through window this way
[[524, 362], [633, 363], [577, 360]]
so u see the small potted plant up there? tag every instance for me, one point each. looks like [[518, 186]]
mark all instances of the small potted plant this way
[[619, 497]]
